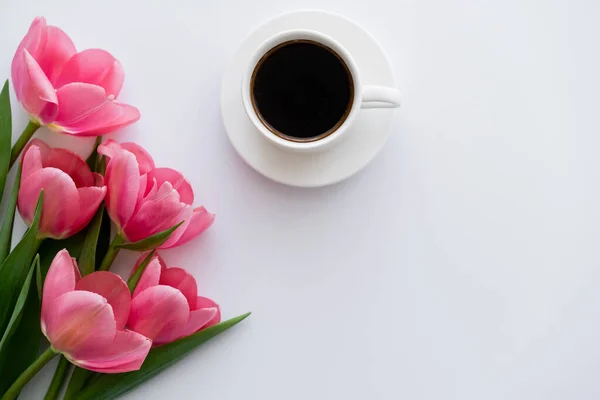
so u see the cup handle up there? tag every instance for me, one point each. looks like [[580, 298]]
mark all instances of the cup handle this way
[[380, 97]]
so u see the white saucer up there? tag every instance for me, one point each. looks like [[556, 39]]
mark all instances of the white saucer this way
[[362, 142]]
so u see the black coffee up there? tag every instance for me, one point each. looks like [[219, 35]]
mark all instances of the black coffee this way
[[302, 90]]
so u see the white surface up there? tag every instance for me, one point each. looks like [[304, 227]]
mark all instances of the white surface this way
[[326, 161], [462, 263]]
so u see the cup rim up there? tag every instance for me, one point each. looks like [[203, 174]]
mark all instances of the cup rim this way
[[325, 40]]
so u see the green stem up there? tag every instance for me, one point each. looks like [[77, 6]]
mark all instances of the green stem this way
[[112, 252], [58, 380], [13, 392], [77, 382], [22, 141]]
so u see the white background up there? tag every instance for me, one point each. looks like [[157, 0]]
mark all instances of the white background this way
[[462, 263]]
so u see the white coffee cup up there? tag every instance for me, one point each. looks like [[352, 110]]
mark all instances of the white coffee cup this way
[[365, 96]]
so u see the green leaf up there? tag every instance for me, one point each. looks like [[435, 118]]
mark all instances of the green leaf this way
[[78, 380], [13, 271], [50, 247], [111, 386], [103, 239], [135, 278], [74, 245], [87, 258], [6, 230], [58, 380], [5, 135], [20, 305], [151, 242], [38, 279], [92, 159], [101, 165], [20, 343]]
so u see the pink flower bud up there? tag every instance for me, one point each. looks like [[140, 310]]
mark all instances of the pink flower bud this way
[[84, 318], [165, 305], [144, 200], [69, 91], [72, 193]]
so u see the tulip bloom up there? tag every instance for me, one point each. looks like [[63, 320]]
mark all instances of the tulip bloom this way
[[165, 305], [84, 318], [143, 200], [72, 193], [70, 92]]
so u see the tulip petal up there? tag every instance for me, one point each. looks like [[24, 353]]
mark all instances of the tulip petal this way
[[61, 201], [110, 118], [86, 110], [43, 147], [142, 257], [111, 149], [89, 201], [98, 179], [39, 81], [79, 321], [161, 193], [34, 42], [150, 277], [151, 187], [183, 281], [159, 313], [71, 164], [156, 214], [141, 192], [205, 302], [66, 161], [198, 320], [143, 158], [186, 216], [177, 180], [32, 159], [94, 66], [123, 181], [49, 45], [113, 289], [201, 220], [57, 52], [79, 100], [127, 353], [62, 277], [36, 93]]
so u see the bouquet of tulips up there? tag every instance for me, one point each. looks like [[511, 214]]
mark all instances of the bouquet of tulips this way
[[56, 281]]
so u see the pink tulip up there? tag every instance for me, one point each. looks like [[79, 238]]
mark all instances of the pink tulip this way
[[84, 318], [144, 200], [72, 193], [165, 306], [68, 91]]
